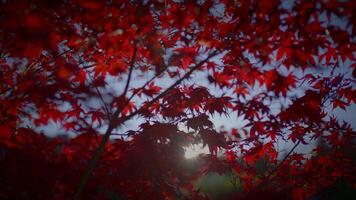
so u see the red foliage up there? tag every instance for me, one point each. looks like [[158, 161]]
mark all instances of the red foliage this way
[[87, 68]]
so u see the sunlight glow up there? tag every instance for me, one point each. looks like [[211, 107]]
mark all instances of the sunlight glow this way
[[195, 150]]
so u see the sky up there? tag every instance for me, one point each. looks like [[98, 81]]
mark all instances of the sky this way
[[219, 121]]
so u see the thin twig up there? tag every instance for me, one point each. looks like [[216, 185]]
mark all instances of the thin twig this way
[[273, 174], [130, 70], [29, 68], [284, 159]]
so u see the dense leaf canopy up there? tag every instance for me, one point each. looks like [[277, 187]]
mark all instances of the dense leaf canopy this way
[[85, 70]]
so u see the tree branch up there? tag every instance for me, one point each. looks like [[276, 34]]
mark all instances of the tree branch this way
[[114, 122], [84, 179]]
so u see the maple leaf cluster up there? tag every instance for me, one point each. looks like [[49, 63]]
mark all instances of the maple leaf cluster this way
[[85, 69]]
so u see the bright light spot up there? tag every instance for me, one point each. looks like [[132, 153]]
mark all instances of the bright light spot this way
[[194, 150], [118, 32]]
